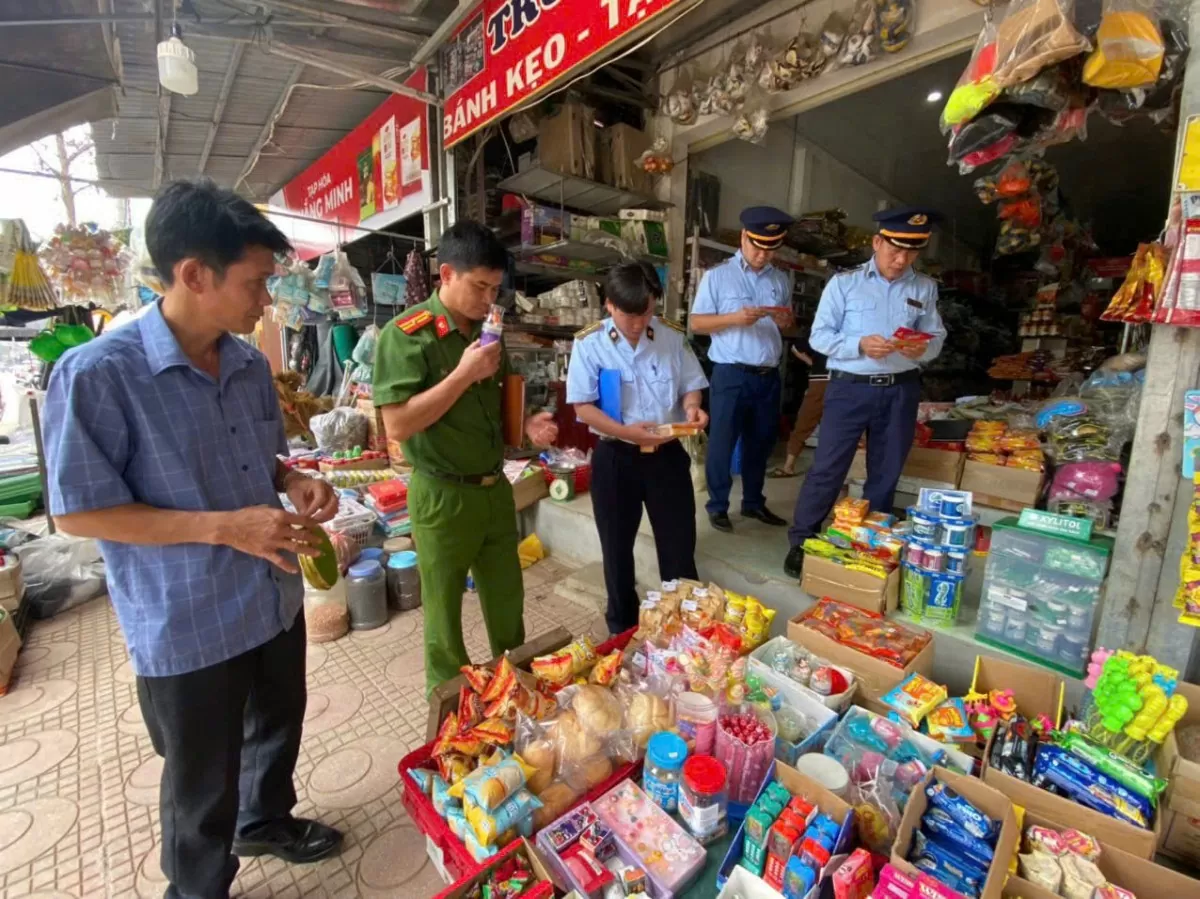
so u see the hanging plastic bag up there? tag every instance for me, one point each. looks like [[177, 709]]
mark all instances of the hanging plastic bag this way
[[678, 104], [339, 429], [1023, 212], [862, 39], [364, 350], [1054, 88], [1014, 180], [1033, 35], [1014, 238], [1065, 126], [977, 86], [1129, 47], [833, 35], [752, 122], [985, 139]]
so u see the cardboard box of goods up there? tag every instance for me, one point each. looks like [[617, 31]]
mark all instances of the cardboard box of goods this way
[[376, 433], [1065, 813], [10, 646], [1180, 837], [529, 490], [12, 585], [1037, 691], [990, 801], [542, 887], [643, 215], [567, 141], [1001, 487], [1140, 876], [1183, 794], [620, 147], [939, 466], [797, 784], [824, 577], [583, 225], [646, 238], [875, 676]]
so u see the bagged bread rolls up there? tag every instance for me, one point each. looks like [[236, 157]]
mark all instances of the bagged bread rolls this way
[[646, 715], [573, 740], [539, 755], [556, 799], [597, 710]]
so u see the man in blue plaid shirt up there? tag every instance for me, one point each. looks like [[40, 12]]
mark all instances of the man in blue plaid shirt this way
[[162, 443]]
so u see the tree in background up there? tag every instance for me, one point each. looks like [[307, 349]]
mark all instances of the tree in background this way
[[57, 154]]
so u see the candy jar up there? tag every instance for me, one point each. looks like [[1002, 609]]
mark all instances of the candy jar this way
[[745, 745]]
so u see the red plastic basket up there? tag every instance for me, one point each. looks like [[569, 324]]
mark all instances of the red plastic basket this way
[[458, 861], [541, 890]]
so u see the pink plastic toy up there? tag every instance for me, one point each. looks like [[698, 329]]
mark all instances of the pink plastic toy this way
[[1096, 665]]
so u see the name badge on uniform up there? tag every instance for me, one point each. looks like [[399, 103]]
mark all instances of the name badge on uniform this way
[[916, 304]]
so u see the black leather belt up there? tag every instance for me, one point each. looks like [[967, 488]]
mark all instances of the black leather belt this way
[[903, 377], [625, 446], [470, 480], [757, 369]]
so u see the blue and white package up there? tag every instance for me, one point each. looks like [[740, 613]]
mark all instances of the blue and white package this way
[[1057, 767], [938, 824], [973, 821]]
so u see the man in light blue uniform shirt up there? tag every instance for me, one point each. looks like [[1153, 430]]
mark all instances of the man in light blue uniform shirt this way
[[628, 374], [743, 303], [875, 378]]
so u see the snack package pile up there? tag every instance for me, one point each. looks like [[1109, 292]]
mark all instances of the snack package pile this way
[[955, 843], [859, 539], [915, 697], [935, 555], [1187, 595], [866, 632], [1064, 862], [992, 442], [788, 841], [1136, 299]]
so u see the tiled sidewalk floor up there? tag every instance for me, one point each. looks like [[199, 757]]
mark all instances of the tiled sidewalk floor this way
[[79, 778]]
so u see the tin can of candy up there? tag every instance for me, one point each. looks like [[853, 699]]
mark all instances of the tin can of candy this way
[[956, 561], [953, 504], [956, 533], [924, 525], [935, 560], [914, 553]]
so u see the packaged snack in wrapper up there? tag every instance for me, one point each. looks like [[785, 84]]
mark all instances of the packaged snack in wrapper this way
[[447, 731], [454, 767], [756, 624], [490, 823], [735, 608], [489, 786], [478, 676], [559, 667], [604, 672], [704, 607], [470, 707]]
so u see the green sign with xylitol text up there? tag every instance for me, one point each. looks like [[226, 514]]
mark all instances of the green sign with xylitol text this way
[[1059, 525]]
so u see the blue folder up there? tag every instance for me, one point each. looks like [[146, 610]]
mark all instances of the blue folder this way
[[610, 393]]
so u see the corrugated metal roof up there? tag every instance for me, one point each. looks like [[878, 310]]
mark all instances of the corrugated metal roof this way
[[313, 119]]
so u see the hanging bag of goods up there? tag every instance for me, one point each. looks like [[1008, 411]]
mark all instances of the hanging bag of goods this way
[[977, 86], [1129, 47], [1035, 34]]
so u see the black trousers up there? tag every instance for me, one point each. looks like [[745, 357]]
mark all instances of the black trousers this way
[[623, 480], [229, 735]]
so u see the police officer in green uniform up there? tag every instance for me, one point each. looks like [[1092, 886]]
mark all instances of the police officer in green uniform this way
[[440, 392]]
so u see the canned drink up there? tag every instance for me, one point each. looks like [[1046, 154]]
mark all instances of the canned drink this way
[[935, 560]]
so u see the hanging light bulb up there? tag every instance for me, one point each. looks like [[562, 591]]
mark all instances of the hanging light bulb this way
[[177, 65]]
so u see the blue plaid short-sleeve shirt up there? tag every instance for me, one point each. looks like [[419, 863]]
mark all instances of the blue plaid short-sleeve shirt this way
[[128, 419]]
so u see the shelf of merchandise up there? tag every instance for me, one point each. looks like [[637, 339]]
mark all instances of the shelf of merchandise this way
[[707, 243], [546, 270], [577, 193]]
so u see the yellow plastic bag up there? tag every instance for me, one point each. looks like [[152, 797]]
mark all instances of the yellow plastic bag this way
[[530, 550], [1129, 47]]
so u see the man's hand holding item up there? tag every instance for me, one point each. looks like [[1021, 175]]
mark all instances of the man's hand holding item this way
[[541, 429], [876, 347]]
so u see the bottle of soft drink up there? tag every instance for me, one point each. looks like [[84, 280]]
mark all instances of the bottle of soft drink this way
[[493, 326]]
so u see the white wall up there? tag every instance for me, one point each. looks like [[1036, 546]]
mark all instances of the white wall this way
[[767, 174]]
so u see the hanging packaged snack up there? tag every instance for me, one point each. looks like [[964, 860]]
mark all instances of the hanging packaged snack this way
[[1129, 46], [1024, 212], [1015, 239], [833, 35], [1033, 35], [1014, 180], [985, 139], [893, 21], [977, 86], [862, 39], [1054, 88]]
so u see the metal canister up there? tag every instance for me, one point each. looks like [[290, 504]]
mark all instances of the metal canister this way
[[366, 596]]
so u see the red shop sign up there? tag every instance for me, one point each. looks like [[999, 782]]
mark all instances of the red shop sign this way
[[376, 174], [509, 51]]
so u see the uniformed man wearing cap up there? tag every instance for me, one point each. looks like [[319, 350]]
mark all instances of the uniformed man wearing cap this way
[[439, 388], [743, 303], [657, 380], [874, 385]]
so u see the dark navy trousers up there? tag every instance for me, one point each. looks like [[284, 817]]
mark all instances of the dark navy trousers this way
[[741, 404], [888, 416]]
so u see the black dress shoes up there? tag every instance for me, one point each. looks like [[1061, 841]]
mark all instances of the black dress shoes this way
[[765, 515], [794, 561], [296, 840], [720, 521]]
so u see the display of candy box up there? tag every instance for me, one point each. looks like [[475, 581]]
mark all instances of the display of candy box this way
[[644, 836], [818, 723], [1040, 593], [971, 801], [823, 801], [540, 887], [768, 659]]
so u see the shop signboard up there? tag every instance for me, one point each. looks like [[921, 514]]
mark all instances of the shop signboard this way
[[510, 51], [377, 174]]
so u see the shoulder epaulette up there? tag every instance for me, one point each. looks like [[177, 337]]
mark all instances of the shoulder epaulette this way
[[674, 326], [413, 322], [590, 329]]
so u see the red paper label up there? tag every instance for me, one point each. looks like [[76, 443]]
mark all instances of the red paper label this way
[[908, 335]]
